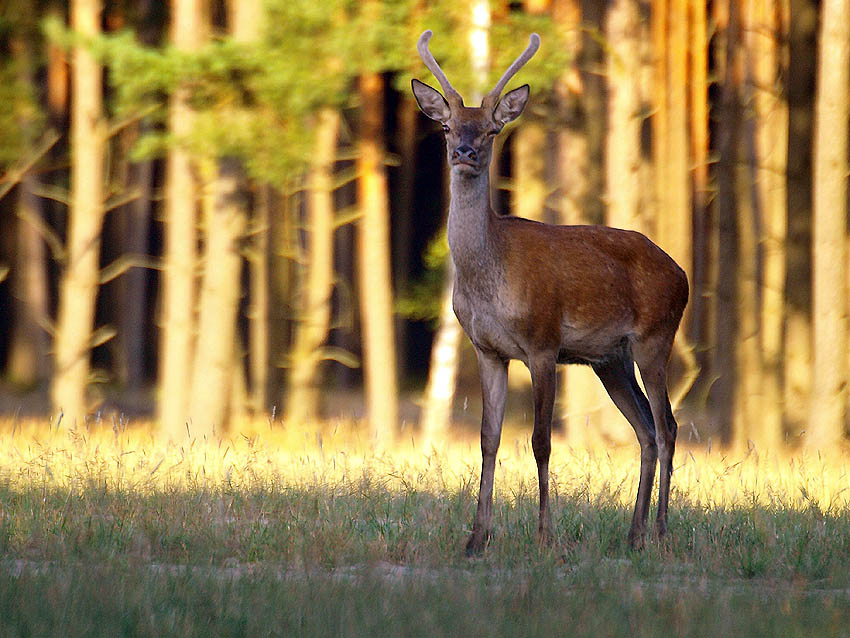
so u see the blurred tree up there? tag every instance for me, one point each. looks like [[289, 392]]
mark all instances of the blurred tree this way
[[376, 308], [80, 279], [317, 278], [767, 35], [21, 123], [722, 394], [180, 242], [828, 408]]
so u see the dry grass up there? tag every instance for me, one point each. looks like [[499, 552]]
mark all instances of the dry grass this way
[[108, 530]]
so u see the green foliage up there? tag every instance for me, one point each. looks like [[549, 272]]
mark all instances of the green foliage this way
[[423, 300]]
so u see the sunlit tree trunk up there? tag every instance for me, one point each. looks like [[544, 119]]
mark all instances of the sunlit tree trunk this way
[[373, 249], [80, 279], [829, 241], [767, 34], [180, 241], [623, 141], [317, 277], [218, 308]]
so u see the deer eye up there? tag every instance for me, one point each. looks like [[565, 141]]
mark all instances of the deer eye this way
[[494, 131], [445, 128]]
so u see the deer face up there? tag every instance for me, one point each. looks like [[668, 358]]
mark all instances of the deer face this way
[[470, 130]]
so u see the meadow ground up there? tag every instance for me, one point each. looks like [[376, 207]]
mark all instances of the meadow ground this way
[[268, 531]]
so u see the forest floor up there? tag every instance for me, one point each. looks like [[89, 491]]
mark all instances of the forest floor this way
[[105, 530]]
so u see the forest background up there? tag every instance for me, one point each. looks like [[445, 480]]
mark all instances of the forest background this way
[[222, 210]]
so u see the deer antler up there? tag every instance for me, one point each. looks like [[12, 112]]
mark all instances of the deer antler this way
[[452, 96], [492, 97]]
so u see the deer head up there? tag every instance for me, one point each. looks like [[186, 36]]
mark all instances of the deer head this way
[[470, 130]]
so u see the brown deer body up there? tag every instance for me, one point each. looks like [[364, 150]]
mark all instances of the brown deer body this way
[[547, 294]]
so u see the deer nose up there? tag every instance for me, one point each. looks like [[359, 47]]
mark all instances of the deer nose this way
[[465, 152]]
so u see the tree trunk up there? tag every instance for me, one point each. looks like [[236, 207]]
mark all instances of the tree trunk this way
[[701, 286], [373, 248], [722, 395], [829, 242], [28, 363], [623, 139], [212, 378], [134, 225], [768, 33], [258, 312], [317, 282], [180, 249], [80, 279]]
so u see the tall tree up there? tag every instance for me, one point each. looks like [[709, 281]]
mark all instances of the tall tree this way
[[80, 279], [373, 250], [723, 389], [224, 225], [180, 249], [829, 237], [623, 139], [767, 68], [314, 312]]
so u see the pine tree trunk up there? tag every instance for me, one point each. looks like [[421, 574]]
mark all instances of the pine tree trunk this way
[[829, 242], [180, 249], [80, 279], [701, 285], [28, 350], [134, 226], [258, 312], [722, 394], [769, 69], [373, 249], [623, 141], [218, 308], [317, 282]]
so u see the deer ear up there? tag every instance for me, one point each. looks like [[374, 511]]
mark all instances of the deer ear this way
[[511, 105], [431, 102]]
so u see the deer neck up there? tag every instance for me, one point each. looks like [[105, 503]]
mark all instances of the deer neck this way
[[469, 226]]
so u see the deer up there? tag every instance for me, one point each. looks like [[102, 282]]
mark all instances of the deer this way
[[549, 294]]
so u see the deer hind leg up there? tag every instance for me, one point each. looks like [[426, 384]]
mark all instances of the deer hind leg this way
[[543, 383], [652, 357], [494, 383], [618, 377]]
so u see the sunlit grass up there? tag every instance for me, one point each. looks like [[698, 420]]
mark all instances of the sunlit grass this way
[[108, 529], [118, 456]]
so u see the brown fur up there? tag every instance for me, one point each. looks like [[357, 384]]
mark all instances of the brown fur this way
[[548, 294]]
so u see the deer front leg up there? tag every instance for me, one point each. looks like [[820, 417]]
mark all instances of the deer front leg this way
[[543, 385], [494, 383]]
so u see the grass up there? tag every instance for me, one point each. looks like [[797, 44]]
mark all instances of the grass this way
[[107, 531]]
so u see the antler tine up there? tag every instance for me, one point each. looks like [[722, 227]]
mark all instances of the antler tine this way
[[533, 44], [431, 63]]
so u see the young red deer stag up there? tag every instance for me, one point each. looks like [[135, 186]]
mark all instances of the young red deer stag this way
[[547, 294]]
